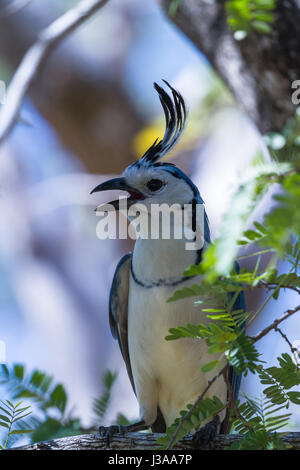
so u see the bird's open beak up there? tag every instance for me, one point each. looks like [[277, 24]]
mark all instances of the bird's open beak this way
[[118, 183]]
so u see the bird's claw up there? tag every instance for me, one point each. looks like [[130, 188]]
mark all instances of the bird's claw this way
[[109, 431], [206, 435]]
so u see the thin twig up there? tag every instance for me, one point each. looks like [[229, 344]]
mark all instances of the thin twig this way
[[192, 409], [294, 351], [271, 285], [257, 253], [275, 323], [36, 56]]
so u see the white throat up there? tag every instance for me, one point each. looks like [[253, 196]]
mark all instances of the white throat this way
[[161, 261]]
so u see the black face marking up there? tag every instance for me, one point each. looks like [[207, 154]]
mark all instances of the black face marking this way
[[154, 184]]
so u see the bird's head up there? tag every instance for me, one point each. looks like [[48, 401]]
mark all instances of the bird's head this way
[[150, 181]]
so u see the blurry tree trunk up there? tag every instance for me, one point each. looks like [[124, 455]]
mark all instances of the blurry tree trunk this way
[[259, 69], [83, 101]]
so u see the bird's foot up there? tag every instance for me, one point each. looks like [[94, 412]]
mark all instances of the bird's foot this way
[[206, 435], [109, 431]]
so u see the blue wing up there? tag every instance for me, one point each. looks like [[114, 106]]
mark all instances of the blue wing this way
[[118, 309]]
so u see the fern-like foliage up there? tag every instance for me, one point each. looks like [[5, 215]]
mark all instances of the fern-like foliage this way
[[243, 15], [205, 409], [280, 379], [101, 404], [250, 236], [247, 15], [50, 420], [37, 386], [223, 334], [255, 421], [242, 354], [11, 414]]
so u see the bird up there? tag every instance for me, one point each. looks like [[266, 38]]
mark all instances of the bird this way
[[165, 375]]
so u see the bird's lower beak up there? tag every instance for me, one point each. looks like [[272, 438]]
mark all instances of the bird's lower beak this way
[[113, 184]]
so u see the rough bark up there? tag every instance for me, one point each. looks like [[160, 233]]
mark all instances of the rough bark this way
[[138, 441], [259, 69]]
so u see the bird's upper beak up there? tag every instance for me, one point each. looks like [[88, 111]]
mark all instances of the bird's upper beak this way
[[118, 183]]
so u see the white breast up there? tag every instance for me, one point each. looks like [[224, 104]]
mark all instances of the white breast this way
[[166, 373]]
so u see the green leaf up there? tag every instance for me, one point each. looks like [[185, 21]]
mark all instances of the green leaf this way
[[4, 370], [209, 366], [4, 424], [21, 431], [251, 234], [58, 398], [260, 228], [186, 292], [173, 7], [21, 417], [101, 404], [18, 371], [242, 354], [20, 410], [246, 15], [294, 397], [5, 411], [4, 418], [47, 430], [262, 27]]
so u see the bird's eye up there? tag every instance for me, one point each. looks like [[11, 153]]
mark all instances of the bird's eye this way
[[154, 185]]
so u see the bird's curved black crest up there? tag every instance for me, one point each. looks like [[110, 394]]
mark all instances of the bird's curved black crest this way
[[175, 115]]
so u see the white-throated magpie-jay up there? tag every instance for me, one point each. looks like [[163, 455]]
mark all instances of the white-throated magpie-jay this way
[[165, 375]]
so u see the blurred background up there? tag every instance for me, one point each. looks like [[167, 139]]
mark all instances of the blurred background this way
[[90, 113]]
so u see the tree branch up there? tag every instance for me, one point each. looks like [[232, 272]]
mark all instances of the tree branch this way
[[294, 351], [35, 58], [273, 285], [275, 323], [259, 69], [139, 441]]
